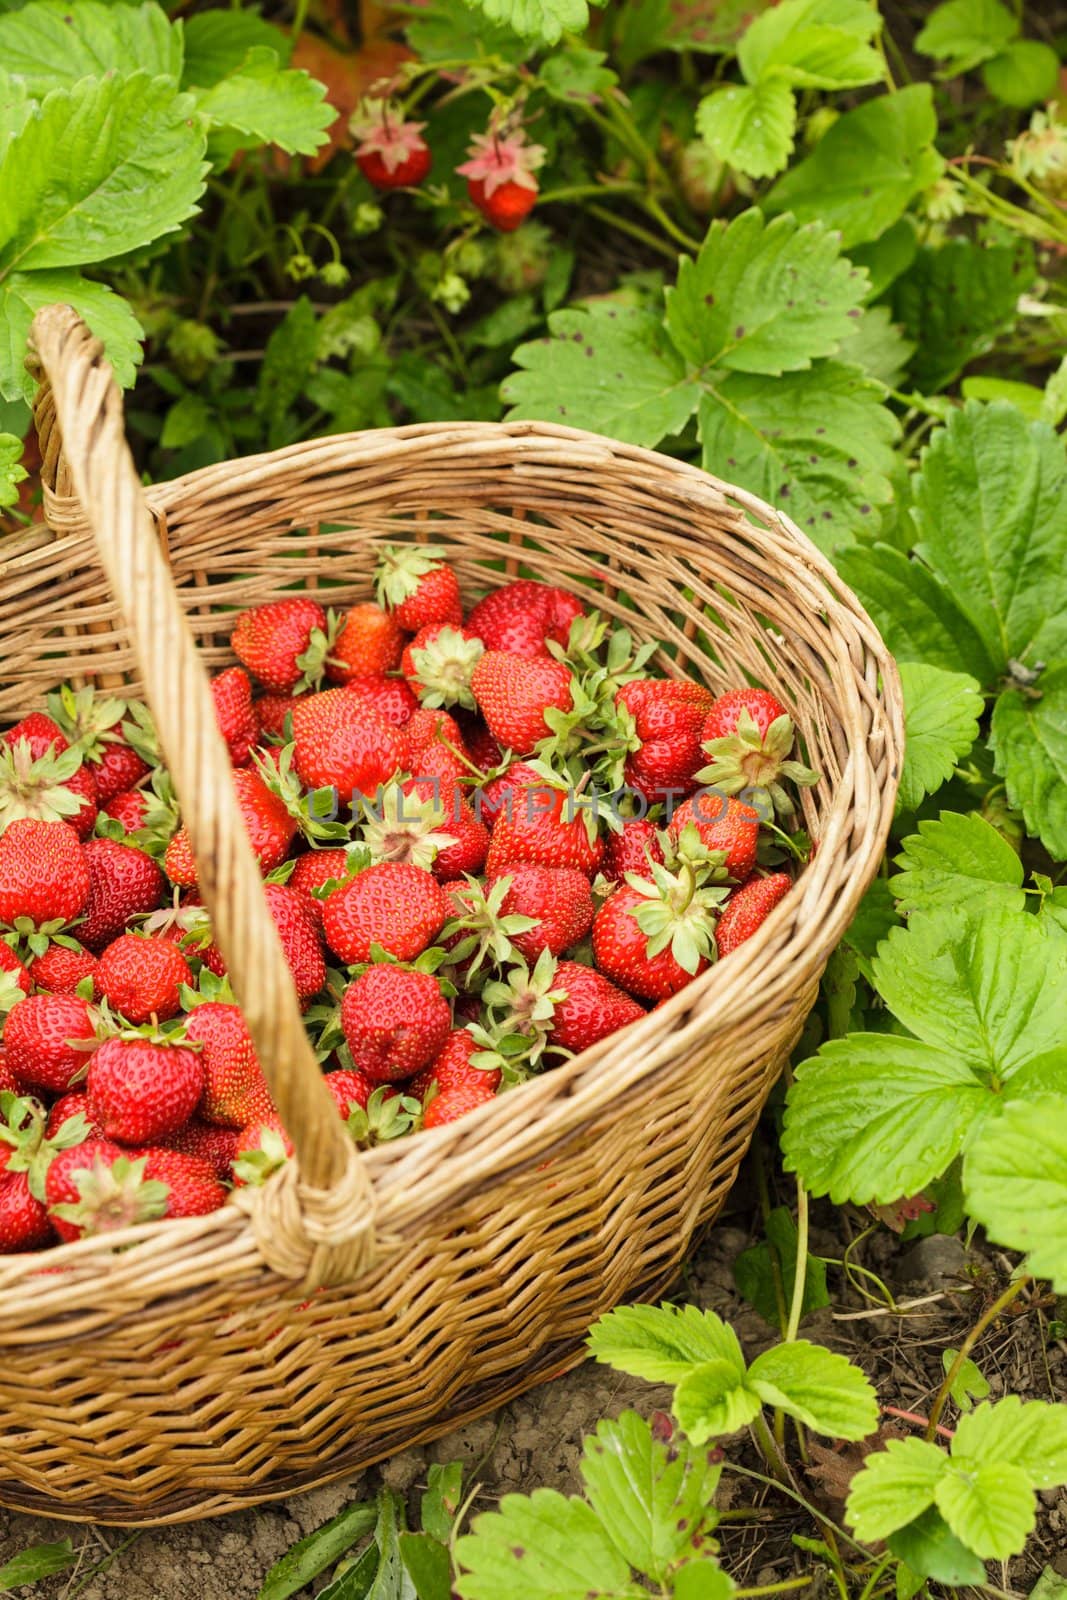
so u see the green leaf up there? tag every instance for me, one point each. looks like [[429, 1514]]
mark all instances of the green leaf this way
[[893, 1487], [815, 44], [969, 1384], [1026, 72], [1050, 1586], [109, 316], [886, 257], [867, 168], [819, 1387], [12, 472], [874, 918], [608, 368], [817, 443], [713, 1400], [310, 1556], [1029, 742], [15, 108], [663, 1343], [964, 33], [427, 1564], [955, 299], [1025, 397], [957, 862], [37, 1562], [1028, 1434], [653, 1500], [100, 169], [1016, 1183], [989, 1507], [764, 297], [702, 1580], [749, 126], [991, 504], [941, 711], [878, 346], [546, 20], [444, 1491], [217, 42], [754, 1271], [50, 44], [576, 75], [270, 104], [544, 1547], [915, 610], [929, 1547], [290, 357]]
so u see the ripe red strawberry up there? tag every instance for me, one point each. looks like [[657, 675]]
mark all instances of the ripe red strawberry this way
[[130, 807], [428, 728], [7, 1077], [70, 1105], [65, 1175], [44, 777], [344, 745], [82, 785], [393, 904], [394, 1022], [140, 1090], [391, 698], [668, 716], [500, 173], [296, 918], [235, 1091], [391, 153], [317, 868], [634, 848], [123, 882], [24, 1220], [748, 908], [369, 641], [271, 640], [652, 936], [451, 1104], [263, 1147], [417, 587], [117, 769], [502, 793], [513, 694], [43, 874], [270, 827], [237, 718], [9, 962], [43, 734], [722, 824], [141, 977], [748, 734], [272, 710], [557, 897], [60, 969], [37, 1037], [590, 1009], [94, 723], [452, 1068], [521, 616], [546, 827], [506, 207], [192, 1181], [213, 1144], [97, 1187], [439, 663], [349, 1088], [726, 712]]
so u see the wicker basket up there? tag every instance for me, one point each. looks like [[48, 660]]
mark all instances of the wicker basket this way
[[359, 1303]]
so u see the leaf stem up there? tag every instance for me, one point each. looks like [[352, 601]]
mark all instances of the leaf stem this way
[[800, 1274], [635, 231], [999, 1304], [775, 1588]]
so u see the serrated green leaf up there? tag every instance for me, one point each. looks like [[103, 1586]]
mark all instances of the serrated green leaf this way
[[764, 297], [50, 44], [1023, 74], [270, 104], [819, 1387], [957, 861], [988, 1505], [954, 300], [100, 169], [886, 257], [37, 1562], [916, 612], [217, 42], [713, 1400], [1016, 1183], [964, 33], [941, 712], [1025, 397], [12, 472], [819, 444], [969, 1384], [108, 315], [754, 1271], [894, 1487], [609, 368], [663, 1343], [1028, 1434], [817, 44], [878, 346], [653, 1501], [319, 1550], [576, 75], [750, 126], [875, 916], [867, 168], [929, 1547], [1028, 737], [15, 109], [546, 20], [545, 1547]]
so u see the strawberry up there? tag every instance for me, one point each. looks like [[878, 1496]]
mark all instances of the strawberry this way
[[272, 712], [500, 173], [129, 807], [7, 1077], [635, 847], [556, 898], [24, 1220], [501, 794], [9, 962], [522, 616], [343, 745], [235, 1091], [349, 1088], [514, 692], [275, 642], [451, 1104], [417, 587], [452, 1068], [428, 728], [296, 918], [393, 904], [315, 870], [141, 976], [61, 968], [653, 935], [547, 827], [561, 1004], [749, 907], [117, 769], [96, 1188], [263, 1148], [142, 1089], [482, 748], [235, 714], [668, 715], [394, 1022], [748, 734], [44, 876], [54, 786], [391, 153], [42, 734], [428, 823], [95, 724], [391, 698], [70, 1105], [38, 1039], [721, 824], [268, 823], [439, 663], [478, 933], [213, 1144], [590, 1007], [506, 207], [123, 883], [369, 641], [192, 1181]]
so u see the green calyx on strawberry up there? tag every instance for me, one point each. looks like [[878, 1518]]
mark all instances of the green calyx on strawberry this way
[[480, 933], [413, 582], [159, 821], [88, 720], [405, 825], [28, 938], [23, 1145], [388, 1115], [38, 788], [313, 660], [754, 758], [443, 659], [522, 1006], [112, 1195], [677, 913], [598, 728], [263, 1154], [312, 809], [688, 849]]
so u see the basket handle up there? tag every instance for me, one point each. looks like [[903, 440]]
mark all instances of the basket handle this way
[[315, 1220]]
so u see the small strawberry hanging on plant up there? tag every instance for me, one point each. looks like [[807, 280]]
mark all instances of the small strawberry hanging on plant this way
[[391, 154], [500, 172]]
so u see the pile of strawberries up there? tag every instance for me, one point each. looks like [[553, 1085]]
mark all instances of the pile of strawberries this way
[[488, 842]]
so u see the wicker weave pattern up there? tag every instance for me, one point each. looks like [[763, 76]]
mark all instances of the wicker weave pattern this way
[[198, 1369]]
